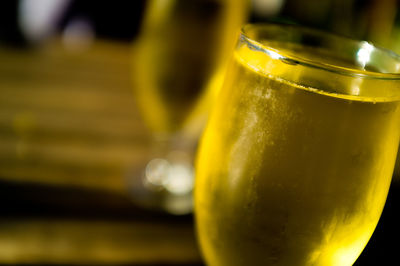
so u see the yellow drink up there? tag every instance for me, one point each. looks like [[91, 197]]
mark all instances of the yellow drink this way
[[180, 54], [292, 175]]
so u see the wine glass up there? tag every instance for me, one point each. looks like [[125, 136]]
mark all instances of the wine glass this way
[[179, 62], [296, 161]]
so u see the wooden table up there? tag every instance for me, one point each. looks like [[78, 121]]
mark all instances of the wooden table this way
[[69, 135]]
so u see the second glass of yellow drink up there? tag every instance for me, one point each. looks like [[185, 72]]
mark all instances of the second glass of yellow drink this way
[[179, 61]]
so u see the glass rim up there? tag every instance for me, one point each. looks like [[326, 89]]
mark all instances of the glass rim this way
[[298, 60]]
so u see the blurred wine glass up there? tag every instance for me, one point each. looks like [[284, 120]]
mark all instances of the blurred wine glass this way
[[179, 62]]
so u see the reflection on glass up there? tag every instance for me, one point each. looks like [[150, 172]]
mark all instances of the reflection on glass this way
[[295, 164], [179, 63]]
